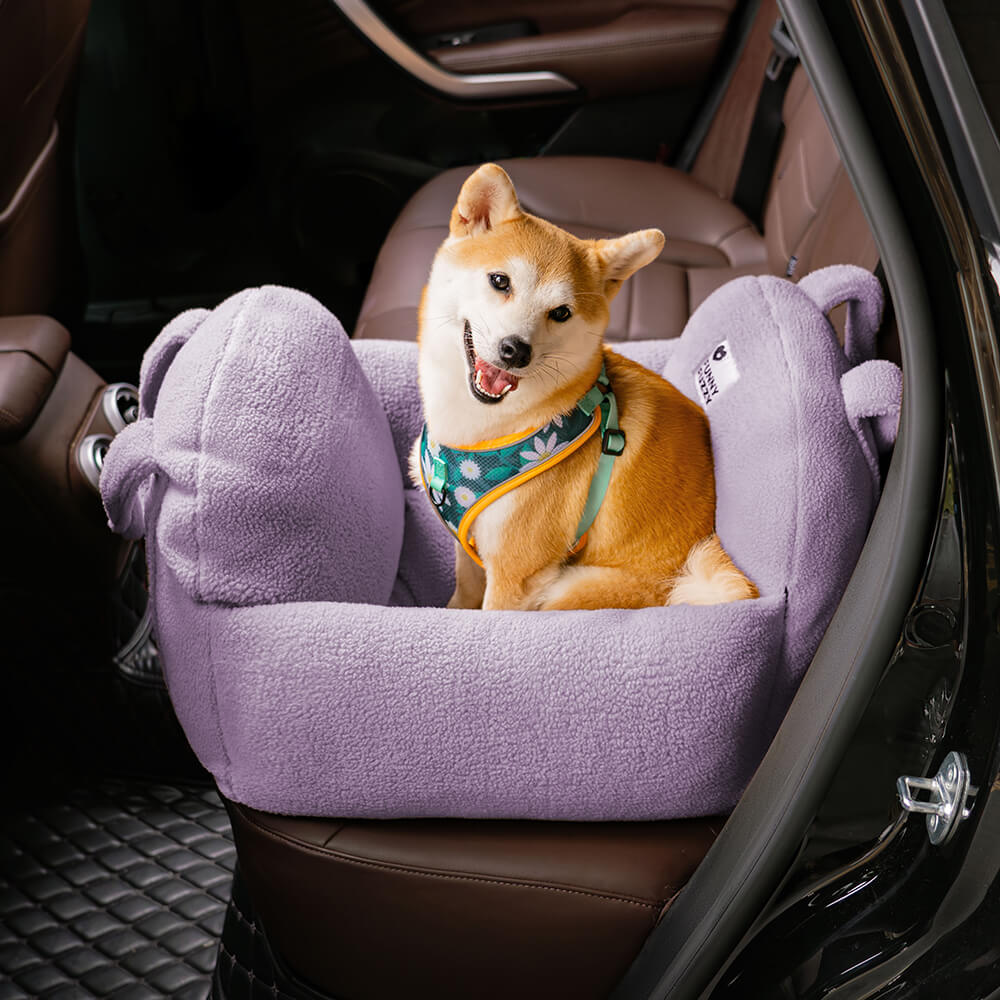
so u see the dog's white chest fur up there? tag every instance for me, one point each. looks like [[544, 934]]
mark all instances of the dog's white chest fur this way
[[487, 529]]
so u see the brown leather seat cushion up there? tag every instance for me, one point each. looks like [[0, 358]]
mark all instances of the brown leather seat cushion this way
[[591, 197], [462, 908]]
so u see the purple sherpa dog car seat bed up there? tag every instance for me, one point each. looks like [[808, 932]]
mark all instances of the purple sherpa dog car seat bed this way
[[295, 574]]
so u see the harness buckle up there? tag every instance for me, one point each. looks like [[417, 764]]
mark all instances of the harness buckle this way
[[613, 442]]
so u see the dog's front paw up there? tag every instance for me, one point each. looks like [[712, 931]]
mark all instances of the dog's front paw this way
[[461, 599], [470, 582]]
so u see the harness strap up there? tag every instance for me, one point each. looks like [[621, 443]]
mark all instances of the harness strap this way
[[612, 445]]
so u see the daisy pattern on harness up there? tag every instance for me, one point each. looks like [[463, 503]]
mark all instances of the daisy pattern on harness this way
[[544, 450]]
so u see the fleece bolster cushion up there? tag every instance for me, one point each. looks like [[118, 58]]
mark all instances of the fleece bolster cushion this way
[[305, 693], [283, 479]]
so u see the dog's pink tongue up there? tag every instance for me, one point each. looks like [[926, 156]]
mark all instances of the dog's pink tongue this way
[[494, 379]]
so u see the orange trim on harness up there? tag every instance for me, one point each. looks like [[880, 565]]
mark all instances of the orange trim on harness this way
[[487, 498]]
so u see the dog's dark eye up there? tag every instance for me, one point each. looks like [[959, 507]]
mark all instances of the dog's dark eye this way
[[500, 281], [560, 314]]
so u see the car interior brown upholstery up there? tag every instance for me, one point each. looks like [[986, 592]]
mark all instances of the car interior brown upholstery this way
[[49, 398], [462, 908], [50, 402], [811, 217], [556, 15], [446, 898], [40, 42], [32, 352], [592, 197], [663, 46], [720, 154]]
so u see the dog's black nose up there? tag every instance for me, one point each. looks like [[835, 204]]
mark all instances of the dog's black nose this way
[[515, 352]]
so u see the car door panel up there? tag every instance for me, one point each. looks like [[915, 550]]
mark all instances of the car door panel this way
[[490, 85], [606, 47], [641, 50], [426, 17]]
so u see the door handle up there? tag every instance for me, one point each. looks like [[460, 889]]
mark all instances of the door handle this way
[[465, 86]]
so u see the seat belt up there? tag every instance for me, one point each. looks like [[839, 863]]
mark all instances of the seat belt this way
[[767, 127]]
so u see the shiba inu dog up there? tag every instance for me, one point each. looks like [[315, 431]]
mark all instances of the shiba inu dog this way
[[555, 503]]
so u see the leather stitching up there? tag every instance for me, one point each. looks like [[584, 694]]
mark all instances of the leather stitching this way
[[406, 870]]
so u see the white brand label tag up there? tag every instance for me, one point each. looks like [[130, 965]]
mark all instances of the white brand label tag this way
[[716, 373]]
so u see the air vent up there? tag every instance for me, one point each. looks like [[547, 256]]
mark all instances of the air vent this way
[[120, 405], [90, 457]]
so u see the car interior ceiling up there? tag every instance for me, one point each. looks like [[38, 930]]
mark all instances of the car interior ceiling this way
[[195, 149]]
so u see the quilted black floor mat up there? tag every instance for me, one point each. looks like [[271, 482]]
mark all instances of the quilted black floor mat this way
[[115, 891]]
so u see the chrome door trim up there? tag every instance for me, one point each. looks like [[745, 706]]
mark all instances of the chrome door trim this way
[[465, 86]]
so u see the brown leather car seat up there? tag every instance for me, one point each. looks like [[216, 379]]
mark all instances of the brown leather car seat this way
[[40, 43], [449, 909], [456, 908], [811, 218]]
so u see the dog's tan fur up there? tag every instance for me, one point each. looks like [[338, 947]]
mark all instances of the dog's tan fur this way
[[652, 542]]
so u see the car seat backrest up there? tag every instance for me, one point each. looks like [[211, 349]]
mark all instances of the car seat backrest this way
[[839, 232], [812, 217], [717, 165]]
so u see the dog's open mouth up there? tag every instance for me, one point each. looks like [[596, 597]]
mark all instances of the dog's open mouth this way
[[489, 384]]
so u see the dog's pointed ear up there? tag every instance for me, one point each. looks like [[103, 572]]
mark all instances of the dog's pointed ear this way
[[487, 198], [622, 257]]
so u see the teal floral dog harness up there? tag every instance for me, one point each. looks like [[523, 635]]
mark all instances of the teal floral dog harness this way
[[462, 482]]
